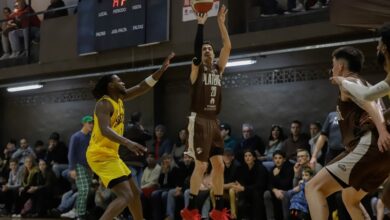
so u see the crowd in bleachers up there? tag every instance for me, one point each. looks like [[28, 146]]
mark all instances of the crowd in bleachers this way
[[262, 179]]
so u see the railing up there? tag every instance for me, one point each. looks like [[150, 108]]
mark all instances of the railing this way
[[28, 56]]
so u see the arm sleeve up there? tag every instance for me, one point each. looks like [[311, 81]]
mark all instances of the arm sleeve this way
[[71, 153], [370, 93], [198, 45], [325, 128]]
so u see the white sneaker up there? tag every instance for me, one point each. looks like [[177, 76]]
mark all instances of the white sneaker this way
[[5, 56], [14, 55], [16, 216], [298, 8], [71, 214], [317, 5]]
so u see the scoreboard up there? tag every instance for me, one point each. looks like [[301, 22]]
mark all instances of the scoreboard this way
[[112, 24]]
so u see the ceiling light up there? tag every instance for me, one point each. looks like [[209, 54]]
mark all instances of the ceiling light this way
[[240, 63], [24, 88]]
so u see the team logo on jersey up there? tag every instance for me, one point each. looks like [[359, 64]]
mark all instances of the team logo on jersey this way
[[342, 167]]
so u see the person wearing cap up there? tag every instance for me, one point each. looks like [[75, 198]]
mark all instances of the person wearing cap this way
[[226, 133], [78, 166]]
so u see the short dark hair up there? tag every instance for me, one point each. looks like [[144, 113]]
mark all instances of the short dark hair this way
[[279, 152], [14, 160], [7, 9], [384, 33], [248, 150], [101, 86], [12, 141], [54, 136], [135, 117], [39, 143], [308, 170], [353, 56], [208, 43], [297, 122], [317, 123]]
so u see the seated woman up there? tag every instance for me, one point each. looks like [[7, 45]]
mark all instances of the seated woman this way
[[251, 185]]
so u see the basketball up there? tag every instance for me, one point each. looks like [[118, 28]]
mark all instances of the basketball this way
[[202, 6]]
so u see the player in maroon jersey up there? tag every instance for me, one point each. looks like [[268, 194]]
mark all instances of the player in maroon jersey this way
[[205, 141]]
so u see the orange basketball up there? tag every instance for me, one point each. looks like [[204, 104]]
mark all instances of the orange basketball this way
[[202, 6]]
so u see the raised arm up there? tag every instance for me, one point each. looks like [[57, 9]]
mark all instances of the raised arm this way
[[227, 46], [103, 111], [197, 60], [360, 91], [375, 112], [144, 86]]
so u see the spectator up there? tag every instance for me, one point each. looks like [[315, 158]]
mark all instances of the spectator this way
[[149, 181], [226, 133], [40, 150], [275, 142], [186, 166], [280, 181], [9, 149], [296, 141], [315, 133], [29, 28], [103, 197], [23, 152], [135, 131], [54, 14], [230, 181], [4, 170], [162, 145], [10, 191], [6, 27], [167, 181], [299, 209], [29, 177], [331, 134], [251, 185], [180, 146], [303, 159], [78, 166], [68, 199], [203, 199], [250, 141], [44, 189], [57, 154]]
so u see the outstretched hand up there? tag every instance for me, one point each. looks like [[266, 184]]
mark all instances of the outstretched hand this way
[[167, 61], [201, 17], [222, 14]]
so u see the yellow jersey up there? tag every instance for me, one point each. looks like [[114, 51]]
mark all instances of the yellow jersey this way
[[100, 147]]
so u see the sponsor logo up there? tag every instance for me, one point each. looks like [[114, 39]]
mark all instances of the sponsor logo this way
[[342, 167], [199, 150]]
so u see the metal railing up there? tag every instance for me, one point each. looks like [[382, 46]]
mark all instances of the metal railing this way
[[29, 25]]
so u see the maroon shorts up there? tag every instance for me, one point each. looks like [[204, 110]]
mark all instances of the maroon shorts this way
[[204, 139], [363, 166]]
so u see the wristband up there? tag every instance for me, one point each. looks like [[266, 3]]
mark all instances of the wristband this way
[[150, 81]]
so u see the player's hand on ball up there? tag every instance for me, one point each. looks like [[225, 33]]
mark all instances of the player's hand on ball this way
[[136, 148], [167, 61], [202, 18], [222, 14]]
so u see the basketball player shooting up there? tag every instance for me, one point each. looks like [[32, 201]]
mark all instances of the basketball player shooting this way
[[205, 141]]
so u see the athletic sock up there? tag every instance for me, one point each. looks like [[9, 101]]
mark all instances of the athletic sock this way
[[219, 202], [192, 203]]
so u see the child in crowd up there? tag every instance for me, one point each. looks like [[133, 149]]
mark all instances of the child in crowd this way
[[299, 209]]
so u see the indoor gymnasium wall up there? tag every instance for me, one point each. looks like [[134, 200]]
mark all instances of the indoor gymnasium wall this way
[[59, 107]]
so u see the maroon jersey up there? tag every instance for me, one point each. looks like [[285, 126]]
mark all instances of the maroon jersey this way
[[206, 91], [353, 121]]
